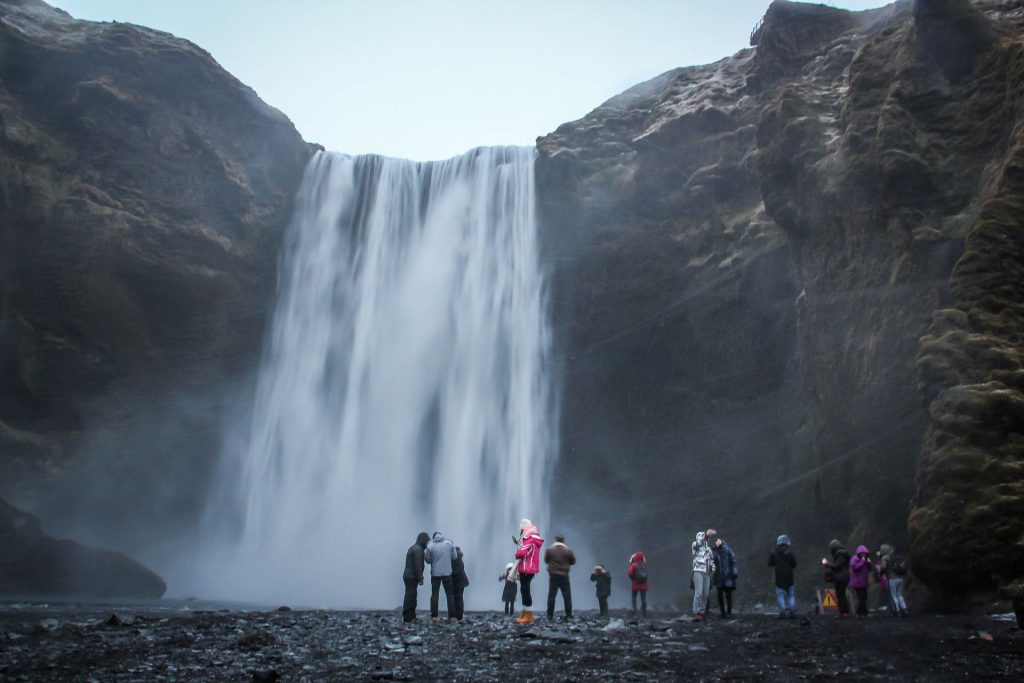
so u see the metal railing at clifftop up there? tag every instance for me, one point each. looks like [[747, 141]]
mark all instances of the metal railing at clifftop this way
[[755, 33]]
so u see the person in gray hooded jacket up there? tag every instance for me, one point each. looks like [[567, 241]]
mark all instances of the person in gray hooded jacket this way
[[440, 555], [703, 568]]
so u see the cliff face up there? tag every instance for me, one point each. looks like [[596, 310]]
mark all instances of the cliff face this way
[[143, 193], [749, 256]]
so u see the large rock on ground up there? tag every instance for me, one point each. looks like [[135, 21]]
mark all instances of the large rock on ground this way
[[143, 195], [35, 564]]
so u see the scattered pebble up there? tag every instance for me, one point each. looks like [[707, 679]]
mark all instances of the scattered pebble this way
[[318, 645]]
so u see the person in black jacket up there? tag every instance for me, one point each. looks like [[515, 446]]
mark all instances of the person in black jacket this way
[[413, 575], [783, 561], [603, 583], [460, 581], [837, 570]]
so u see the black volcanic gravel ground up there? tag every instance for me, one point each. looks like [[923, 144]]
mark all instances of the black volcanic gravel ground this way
[[65, 643]]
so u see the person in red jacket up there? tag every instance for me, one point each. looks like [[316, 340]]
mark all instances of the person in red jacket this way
[[528, 553], [638, 576]]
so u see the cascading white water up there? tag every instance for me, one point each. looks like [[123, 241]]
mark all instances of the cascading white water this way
[[406, 385]]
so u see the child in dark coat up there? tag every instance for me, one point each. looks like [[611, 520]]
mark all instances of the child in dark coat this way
[[603, 583], [460, 581], [510, 589]]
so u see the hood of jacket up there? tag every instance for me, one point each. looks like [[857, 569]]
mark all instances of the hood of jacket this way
[[886, 549], [835, 545], [637, 557], [862, 549], [423, 539]]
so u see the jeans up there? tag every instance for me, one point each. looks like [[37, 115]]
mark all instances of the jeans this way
[[409, 603], [449, 595], [899, 605], [786, 598], [643, 602], [557, 582], [524, 588], [725, 601], [701, 591]]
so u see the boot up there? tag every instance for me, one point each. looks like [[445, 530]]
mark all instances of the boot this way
[[525, 618]]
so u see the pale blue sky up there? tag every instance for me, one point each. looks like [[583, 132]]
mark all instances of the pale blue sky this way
[[428, 79]]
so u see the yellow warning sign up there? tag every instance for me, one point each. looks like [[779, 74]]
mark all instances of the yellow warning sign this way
[[828, 600]]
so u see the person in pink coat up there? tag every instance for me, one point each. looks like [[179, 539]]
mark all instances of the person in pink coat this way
[[528, 553], [860, 573]]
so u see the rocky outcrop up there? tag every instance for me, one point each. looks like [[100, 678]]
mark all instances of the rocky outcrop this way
[[143, 192], [749, 256], [36, 564], [965, 522]]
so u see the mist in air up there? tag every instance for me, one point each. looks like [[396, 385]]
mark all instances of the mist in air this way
[[406, 386]]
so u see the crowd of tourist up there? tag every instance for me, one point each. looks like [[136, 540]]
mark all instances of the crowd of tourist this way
[[713, 565]]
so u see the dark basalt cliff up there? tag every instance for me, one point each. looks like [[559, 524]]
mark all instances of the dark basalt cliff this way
[[143, 194], [763, 267]]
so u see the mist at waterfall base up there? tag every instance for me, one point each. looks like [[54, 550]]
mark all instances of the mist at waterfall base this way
[[405, 386]]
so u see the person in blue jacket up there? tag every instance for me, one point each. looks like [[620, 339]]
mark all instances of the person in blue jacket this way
[[725, 577]]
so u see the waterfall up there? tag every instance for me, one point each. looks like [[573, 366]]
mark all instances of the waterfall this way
[[405, 387]]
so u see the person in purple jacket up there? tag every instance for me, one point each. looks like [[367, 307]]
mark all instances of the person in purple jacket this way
[[860, 573]]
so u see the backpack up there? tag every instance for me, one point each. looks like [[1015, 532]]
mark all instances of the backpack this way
[[640, 573], [898, 564]]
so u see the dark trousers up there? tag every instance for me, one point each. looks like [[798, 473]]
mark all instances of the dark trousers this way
[[643, 601], [602, 602], [524, 587], [510, 608], [449, 594], [557, 582], [842, 597], [725, 601], [409, 603], [862, 601], [460, 606]]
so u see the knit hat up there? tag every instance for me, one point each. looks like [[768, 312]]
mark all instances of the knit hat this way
[[782, 540]]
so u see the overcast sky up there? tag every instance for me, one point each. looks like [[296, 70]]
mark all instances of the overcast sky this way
[[429, 79]]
